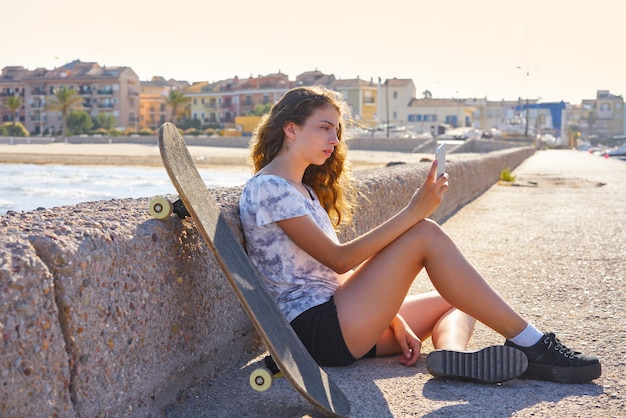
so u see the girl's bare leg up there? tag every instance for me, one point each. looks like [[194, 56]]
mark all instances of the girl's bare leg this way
[[368, 300], [428, 314], [453, 330]]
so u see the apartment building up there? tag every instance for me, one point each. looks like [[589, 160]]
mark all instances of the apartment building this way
[[493, 114], [394, 98], [206, 102], [512, 118], [12, 84], [134, 105], [219, 103], [362, 97], [314, 78], [110, 90], [222, 102], [153, 108], [422, 114], [609, 114], [601, 117]]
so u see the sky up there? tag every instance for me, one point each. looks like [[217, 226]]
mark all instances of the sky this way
[[549, 50]]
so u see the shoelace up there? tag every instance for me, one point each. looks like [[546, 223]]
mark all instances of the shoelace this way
[[555, 343]]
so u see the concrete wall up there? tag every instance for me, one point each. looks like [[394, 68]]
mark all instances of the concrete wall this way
[[416, 145], [107, 312], [369, 143]]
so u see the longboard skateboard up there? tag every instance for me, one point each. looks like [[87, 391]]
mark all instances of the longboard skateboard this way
[[285, 348]]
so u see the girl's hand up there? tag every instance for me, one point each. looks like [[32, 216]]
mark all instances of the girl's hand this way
[[429, 196], [410, 344]]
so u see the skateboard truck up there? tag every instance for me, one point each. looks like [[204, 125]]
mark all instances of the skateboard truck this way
[[160, 208], [271, 365], [262, 378], [180, 210]]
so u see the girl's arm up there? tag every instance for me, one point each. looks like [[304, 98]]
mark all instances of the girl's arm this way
[[410, 343], [343, 257]]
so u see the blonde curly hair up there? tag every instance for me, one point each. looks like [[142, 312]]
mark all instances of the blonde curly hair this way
[[331, 180]]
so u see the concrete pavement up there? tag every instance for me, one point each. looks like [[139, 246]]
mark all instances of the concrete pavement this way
[[553, 244]]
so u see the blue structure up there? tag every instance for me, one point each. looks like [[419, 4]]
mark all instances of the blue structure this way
[[556, 112]]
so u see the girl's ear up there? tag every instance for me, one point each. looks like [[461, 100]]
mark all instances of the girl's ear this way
[[290, 130]]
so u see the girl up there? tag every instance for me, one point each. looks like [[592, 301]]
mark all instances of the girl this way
[[349, 300]]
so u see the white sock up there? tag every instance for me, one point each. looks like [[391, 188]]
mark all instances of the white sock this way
[[529, 336]]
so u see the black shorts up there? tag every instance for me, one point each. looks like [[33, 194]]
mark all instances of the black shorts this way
[[319, 330]]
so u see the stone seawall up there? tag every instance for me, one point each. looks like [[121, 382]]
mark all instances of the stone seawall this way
[[369, 143], [107, 312]]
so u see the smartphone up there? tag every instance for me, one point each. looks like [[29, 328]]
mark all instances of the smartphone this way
[[440, 156]]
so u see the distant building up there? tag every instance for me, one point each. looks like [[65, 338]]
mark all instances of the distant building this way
[[110, 90], [362, 97], [496, 114], [314, 78], [218, 104], [426, 113], [12, 84], [153, 108], [545, 117], [600, 117], [394, 101]]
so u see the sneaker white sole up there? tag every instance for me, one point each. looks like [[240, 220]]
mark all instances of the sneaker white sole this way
[[492, 364]]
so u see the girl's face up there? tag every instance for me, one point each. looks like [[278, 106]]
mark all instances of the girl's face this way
[[317, 138]]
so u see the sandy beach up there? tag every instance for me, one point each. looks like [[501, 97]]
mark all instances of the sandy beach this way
[[115, 154], [225, 158]]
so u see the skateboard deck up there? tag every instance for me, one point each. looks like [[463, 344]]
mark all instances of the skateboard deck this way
[[294, 361]]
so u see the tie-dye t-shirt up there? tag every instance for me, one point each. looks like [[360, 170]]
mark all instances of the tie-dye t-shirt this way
[[295, 279]]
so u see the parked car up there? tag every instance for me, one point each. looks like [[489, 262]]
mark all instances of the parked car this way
[[460, 134], [591, 149], [618, 152]]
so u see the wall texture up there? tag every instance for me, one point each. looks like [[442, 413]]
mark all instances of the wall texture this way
[[105, 311]]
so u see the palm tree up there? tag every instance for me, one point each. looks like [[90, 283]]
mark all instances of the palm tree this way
[[573, 133], [590, 118], [64, 101], [13, 104], [176, 100]]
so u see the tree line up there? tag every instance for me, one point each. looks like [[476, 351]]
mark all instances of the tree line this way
[[76, 120]]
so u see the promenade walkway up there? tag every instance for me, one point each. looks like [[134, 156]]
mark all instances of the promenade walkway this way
[[554, 245]]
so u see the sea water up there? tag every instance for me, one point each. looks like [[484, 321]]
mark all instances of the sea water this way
[[25, 187]]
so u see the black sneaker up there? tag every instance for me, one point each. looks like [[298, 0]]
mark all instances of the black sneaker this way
[[550, 360], [493, 364]]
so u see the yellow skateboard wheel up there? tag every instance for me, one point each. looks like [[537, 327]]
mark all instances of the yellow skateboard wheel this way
[[160, 208], [261, 380]]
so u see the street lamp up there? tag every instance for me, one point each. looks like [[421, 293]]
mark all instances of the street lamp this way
[[525, 74], [387, 104]]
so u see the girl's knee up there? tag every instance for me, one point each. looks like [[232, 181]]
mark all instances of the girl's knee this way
[[428, 224], [428, 229]]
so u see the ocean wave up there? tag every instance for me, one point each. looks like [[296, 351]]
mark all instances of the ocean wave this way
[[30, 186], [69, 194]]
